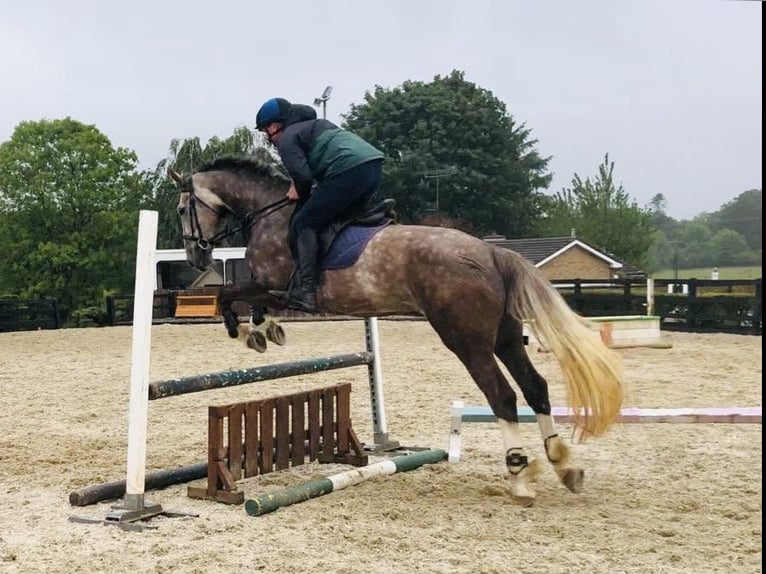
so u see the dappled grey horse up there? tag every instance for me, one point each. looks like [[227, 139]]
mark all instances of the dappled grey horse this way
[[475, 296]]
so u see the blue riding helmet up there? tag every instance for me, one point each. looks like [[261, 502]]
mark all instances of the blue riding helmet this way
[[273, 110]]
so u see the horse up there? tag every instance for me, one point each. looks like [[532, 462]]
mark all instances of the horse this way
[[475, 295]]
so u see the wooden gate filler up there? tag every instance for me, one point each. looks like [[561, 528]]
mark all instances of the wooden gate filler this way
[[278, 432]]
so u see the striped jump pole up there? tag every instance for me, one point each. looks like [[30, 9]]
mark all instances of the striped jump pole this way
[[265, 503], [459, 414]]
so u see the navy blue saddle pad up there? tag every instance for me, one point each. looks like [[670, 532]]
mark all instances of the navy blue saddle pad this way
[[348, 246]]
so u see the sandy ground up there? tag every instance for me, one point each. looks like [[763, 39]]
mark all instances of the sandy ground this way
[[658, 498]]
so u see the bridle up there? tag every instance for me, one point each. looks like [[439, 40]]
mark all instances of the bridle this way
[[246, 222]]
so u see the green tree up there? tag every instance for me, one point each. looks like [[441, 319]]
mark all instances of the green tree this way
[[660, 219], [744, 214], [603, 215], [730, 248], [69, 204], [452, 147]]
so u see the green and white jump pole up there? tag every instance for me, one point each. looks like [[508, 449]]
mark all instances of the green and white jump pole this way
[[265, 503]]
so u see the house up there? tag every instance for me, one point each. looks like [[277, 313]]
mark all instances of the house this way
[[563, 257]]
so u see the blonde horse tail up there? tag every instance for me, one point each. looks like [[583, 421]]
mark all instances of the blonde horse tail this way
[[592, 371]]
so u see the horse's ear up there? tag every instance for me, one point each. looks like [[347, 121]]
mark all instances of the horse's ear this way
[[177, 177]]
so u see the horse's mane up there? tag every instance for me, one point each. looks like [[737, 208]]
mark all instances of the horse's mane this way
[[249, 167]]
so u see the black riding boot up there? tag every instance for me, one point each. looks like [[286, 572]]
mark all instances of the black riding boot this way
[[302, 294]]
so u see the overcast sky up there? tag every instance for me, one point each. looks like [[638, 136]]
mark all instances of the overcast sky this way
[[670, 89]]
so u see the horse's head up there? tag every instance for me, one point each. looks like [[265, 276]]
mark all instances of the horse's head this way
[[249, 191], [203, 217]]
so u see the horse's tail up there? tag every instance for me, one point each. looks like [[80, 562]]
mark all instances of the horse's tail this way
[[592, 371]]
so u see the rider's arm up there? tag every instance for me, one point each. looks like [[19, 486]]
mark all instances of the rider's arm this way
[[293, 149]]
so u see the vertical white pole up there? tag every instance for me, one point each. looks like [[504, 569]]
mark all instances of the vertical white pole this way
[[375, 374], [456, 424], [139, 371], [650, 296]]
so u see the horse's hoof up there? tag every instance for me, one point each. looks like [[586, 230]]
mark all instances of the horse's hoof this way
[[276, 334], [257, 341], [525, 501], [573, 479], [232, 326]]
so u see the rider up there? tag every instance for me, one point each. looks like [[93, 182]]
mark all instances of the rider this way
[[345, 169]]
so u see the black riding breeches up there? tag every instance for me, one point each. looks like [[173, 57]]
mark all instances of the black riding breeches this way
[[335, 196]]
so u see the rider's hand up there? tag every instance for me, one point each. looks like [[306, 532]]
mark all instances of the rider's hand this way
[[292, 193]]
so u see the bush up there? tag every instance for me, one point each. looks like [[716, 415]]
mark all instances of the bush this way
[[88, 317]]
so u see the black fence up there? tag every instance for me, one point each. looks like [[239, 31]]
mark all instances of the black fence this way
[[725, 306], [29, 314], [119, 310]]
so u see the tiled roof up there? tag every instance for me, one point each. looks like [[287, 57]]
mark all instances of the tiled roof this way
[[535, 250], [539, 250]]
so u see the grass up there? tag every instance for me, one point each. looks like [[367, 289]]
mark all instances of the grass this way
[[752, 272]]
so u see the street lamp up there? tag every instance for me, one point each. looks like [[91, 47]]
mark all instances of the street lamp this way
[[322, 101]]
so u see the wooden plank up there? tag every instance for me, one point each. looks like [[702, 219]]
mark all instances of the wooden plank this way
[[267, 436], [343, 418], [357, 457], [236, 414], [225, 496], [328, 425], [282, 409], [251, 438], [314, 424], [215, 451], [298, 435], [196, 306]]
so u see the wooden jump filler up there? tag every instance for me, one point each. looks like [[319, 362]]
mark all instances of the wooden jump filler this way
[[196, 306], [260, 436]]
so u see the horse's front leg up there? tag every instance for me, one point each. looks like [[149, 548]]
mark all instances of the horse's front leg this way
[[261, 327], [227, 296], [263, 322]]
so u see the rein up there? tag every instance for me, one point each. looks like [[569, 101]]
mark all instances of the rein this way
[[250, 219]]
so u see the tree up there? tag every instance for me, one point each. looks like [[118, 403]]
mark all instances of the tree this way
[[603, 215], [730, 248], [452, 143], [744, 214], [69, 203], [660, 219]]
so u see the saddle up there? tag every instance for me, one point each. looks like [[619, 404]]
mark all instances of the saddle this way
[[370, 215]]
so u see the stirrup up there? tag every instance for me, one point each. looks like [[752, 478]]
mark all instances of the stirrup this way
[[295, 301], [281, 295]]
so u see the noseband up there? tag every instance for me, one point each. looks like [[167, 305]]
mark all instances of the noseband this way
[[246, 222]]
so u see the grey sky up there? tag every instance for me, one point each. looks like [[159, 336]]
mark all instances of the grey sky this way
[[671, 89]]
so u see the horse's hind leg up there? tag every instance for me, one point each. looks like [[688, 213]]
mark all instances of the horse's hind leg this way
[[474, 347], [510, 350]]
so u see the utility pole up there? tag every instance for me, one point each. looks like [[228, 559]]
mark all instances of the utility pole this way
[[322, 101], [437, 175]]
